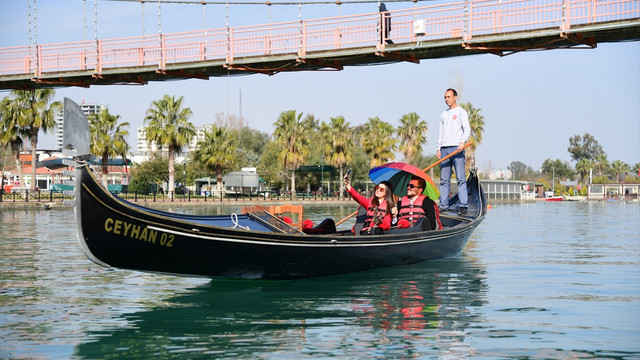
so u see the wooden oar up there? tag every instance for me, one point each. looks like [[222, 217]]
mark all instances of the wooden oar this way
[[347, 218], [446, 157], [425, 170]]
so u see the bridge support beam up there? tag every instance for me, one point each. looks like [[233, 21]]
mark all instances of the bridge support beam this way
[[564, 41], [182, 74], [321, 63], [410, 58]]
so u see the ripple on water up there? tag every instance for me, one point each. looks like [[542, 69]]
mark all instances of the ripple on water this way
[[536, 281]]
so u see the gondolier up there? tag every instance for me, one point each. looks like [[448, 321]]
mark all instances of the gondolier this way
[[453, 133]]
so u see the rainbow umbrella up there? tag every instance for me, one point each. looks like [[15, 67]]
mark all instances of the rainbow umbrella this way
[[399, 174]]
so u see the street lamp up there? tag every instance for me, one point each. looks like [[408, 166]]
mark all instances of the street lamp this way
[[322, 176]]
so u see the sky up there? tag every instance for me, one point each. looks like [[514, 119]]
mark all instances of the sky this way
[[532, 102]]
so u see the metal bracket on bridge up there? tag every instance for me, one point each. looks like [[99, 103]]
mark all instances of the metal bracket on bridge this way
[[121, 79], [578, 42], [320, 63], [289, 67], [590, 42], [250, 69], [182, 74], [410, 58], [58, 81]]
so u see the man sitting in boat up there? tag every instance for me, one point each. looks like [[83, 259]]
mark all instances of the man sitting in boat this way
[[378, 207], [415, 206]]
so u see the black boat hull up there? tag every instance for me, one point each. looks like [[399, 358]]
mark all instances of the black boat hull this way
[[115, 233]]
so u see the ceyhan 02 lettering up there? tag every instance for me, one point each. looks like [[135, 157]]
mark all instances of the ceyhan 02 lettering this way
[[138, 232]]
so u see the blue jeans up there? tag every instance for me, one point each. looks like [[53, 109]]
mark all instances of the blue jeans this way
[[445, 176]]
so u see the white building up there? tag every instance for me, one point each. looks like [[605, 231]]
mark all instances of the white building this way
[[145, 148], [88, 109]]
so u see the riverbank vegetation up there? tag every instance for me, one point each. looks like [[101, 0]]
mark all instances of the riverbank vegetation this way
[[304, 154]]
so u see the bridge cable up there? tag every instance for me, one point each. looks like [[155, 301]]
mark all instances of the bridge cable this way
[[95, 20], [299, 26], [466, 20], [204, 28], [95, 30], [142, 9], [159, 17], [204, 17], [29, 19], [269, 12], [35, 23], [226, 24], [84, 20]]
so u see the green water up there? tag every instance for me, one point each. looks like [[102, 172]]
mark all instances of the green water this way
[[544, 280]]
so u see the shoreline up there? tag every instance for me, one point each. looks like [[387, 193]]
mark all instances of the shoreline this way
[[152, 204], [33, 204]]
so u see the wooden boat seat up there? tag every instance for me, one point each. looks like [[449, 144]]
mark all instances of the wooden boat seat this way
[[255, 208], [280, 211], [287, 209]]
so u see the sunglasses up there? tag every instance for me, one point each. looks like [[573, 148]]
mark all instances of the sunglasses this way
[[380, 187], [411, 186]]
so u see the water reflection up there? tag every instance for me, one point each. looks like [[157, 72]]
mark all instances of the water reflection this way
[[536, 281], [398, 312]]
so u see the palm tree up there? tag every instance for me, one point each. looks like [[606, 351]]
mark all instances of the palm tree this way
[[619, 167], [168, 126], [583, 166], [601, 163], [291, 135], [108, 138], [338, 144], [217, 152], [378, 141], [12, 135], [476, 121], [413, 133], [35, 116]]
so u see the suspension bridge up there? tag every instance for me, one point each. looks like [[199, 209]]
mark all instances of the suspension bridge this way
[[499, 27]]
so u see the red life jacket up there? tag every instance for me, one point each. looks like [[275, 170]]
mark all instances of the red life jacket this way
[[435, 206], [372, 211], [411, 212]]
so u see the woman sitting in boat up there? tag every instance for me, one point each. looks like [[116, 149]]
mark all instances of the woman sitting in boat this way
[[378, 207]]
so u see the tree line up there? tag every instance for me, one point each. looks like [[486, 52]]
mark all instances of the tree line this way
[[592, 166], [298, 140]]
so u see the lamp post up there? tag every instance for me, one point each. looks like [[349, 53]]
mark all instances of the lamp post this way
[[553, 179], [322, 177], [184, 173]]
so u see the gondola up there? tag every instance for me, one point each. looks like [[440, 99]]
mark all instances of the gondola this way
[[116, 233]]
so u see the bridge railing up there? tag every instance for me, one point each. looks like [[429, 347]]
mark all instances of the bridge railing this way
[[458, 21]]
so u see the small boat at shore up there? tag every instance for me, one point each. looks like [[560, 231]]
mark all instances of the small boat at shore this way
[[549, 196], [116, 233]]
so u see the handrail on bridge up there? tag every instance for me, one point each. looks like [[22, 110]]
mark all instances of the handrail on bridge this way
[[458, 22]]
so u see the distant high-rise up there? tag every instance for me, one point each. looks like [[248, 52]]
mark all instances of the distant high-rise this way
[[145, 148], [59, 118]]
